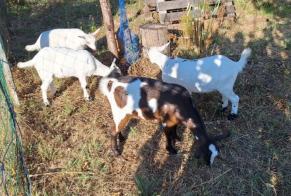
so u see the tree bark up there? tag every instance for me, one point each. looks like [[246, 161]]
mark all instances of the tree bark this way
[[4, 49], [3, 26], [109, 26], [7, 74]]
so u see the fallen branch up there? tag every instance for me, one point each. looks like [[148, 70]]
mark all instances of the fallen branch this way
[[211, 180], [59, 173]]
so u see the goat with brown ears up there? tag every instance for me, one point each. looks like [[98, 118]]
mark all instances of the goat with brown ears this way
[[149, 99]]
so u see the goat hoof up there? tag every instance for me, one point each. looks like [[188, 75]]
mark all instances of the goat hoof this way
[[232, 116], [89, 99], [224, 109], [47, 104], [171, 151], [115, 152], [178, 138], [121, 138]]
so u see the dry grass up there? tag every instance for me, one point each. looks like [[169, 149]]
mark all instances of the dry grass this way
[[67, 144]]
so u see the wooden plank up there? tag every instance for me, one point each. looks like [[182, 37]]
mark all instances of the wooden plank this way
[[164, 8], [174, 26], [170, 5], [173, 16], [151, 3], [228, 3], [230, 9], [162, 14]]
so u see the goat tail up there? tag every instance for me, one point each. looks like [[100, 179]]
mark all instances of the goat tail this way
[[104, 86], [31, 48], [244, 56], [25, 64]]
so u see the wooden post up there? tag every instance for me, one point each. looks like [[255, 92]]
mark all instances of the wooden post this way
[[109, 26], [4, 43], [153, 35], [162, 13], [7, 74], [3, 26]]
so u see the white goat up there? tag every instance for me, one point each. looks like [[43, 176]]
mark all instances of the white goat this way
[[68, 38], [64, 62], [202, 75]]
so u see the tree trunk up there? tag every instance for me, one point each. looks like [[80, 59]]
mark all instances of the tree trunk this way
[[7, 74], [4, 43], [3, 25], [109, 26], [153, 35]]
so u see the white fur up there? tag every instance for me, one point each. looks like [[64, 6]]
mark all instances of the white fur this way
[[68, 38], [214, 73], [153, 103], [133, 97], [62, 63], [214, 153]]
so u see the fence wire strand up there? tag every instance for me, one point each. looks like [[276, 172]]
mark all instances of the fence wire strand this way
[[14, 178]]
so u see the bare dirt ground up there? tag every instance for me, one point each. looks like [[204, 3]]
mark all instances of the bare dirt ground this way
[[67, 144]]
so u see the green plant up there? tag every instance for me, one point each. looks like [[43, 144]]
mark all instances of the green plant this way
[[46, 152], [195, 28], [133, 131]]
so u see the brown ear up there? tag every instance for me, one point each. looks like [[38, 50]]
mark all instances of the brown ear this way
[[95, 33], [120, 95]]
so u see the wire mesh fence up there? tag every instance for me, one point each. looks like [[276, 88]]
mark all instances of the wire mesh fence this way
[[14, 179]]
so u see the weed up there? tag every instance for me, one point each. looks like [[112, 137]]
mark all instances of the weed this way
[[196, 30], [46, 152], [68, 108], [133, 131], [144, 186]]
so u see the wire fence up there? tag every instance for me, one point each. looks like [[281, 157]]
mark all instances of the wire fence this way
[[14, 178]]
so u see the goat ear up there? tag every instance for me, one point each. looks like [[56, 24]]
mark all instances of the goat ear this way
[[146, 51], [96, 32], [163, 47], [113, 65]]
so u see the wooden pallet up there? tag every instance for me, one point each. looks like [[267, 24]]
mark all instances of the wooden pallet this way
[[171, 11]]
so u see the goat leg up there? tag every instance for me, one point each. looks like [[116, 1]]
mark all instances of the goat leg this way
[[171, 135], [121, 137], [114, 147], [176, 137]]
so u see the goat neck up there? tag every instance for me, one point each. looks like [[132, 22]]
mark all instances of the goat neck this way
[[101, 69], [159, 58]]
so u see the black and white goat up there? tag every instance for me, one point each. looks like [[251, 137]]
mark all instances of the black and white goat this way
[[62, 63], [213, 73], [149, 99], [67, 38]]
